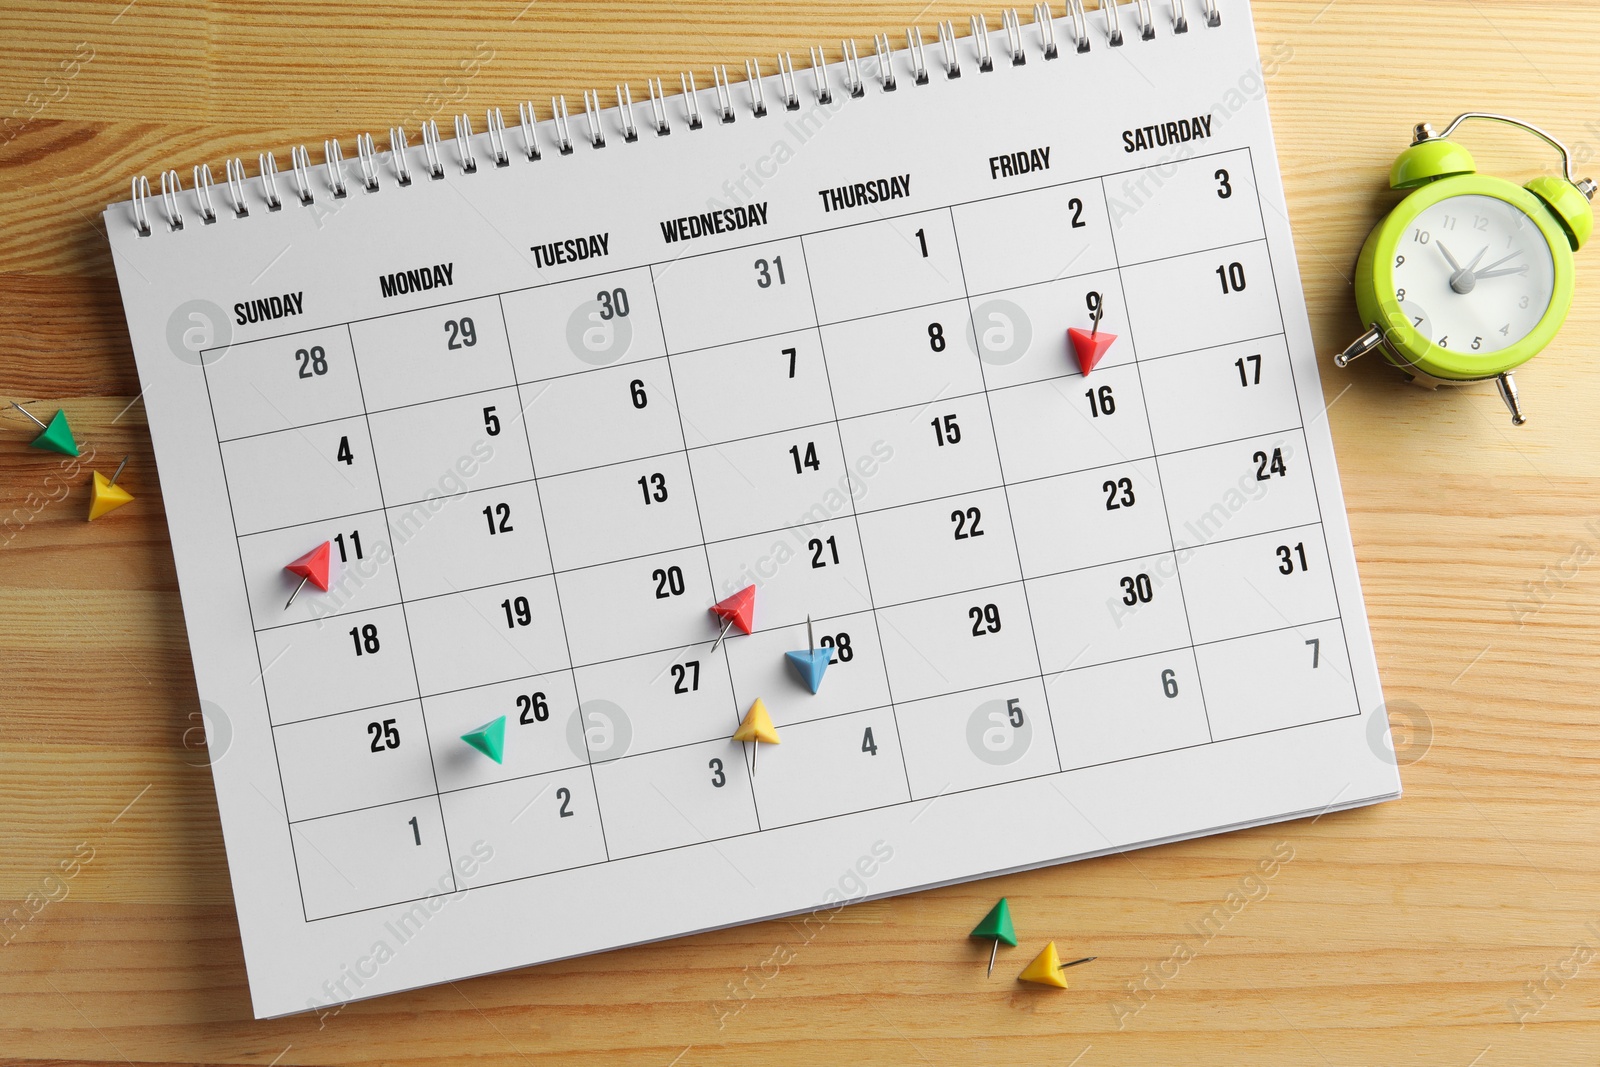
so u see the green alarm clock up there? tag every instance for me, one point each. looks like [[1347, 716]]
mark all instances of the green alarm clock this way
[[1470, 276]]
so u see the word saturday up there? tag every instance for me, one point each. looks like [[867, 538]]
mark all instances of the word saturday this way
[[1167, 133]]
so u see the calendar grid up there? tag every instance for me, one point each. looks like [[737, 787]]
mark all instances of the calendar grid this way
[[1063, 376], [571, 572], [826, 818], [1046, 187], [261, 670], [422, 710], [1278, 296], [801, 721], [1277, 431], [1033, 632], [705, 551], [1155, 455], [555, 582], [877, 624]]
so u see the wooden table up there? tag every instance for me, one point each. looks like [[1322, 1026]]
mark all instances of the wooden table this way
[[1449, 928]]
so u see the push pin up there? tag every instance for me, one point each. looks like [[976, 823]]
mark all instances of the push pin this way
[[1046, 968], [757, 728], [1091, 345], [106, 496], [997, 925], [739, 609], [490, 739], [312, 567], [811, 662], [56, 435]]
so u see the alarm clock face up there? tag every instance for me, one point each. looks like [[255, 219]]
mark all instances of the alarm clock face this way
[[1474, 274]]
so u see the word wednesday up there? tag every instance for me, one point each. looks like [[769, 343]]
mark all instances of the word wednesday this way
[[863, 193], [708, 222], [1159, 136], [418, 279], [265, 308]]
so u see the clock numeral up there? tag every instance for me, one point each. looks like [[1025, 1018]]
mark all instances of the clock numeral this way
[[1421, 237]]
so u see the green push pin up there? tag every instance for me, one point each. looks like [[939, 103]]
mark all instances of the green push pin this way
[[490, 739], [997, 925], [57, 436]]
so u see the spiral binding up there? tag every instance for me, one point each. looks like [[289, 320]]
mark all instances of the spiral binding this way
[[1018, 41]]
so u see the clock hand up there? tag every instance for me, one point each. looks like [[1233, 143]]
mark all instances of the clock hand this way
[[1463, 279], [1501, 273], [1503, 259]]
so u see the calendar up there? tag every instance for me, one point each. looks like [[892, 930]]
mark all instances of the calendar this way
[[548, 391]]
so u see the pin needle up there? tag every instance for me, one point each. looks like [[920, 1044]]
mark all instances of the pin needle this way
[[718, 642], [30, 415]]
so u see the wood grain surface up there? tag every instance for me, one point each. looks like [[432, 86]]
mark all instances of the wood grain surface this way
[[1450, 928]]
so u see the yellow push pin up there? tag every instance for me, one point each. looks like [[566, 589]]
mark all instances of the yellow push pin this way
[[106, 496], [757, 727], [1046, 968]]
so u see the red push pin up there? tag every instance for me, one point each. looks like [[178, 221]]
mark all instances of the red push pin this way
[[1091, 345], [311, 567], [738, 610]]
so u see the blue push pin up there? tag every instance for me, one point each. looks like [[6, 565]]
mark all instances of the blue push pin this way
[[811, 663]]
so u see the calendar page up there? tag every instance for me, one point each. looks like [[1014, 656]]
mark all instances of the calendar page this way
[[810, 337]]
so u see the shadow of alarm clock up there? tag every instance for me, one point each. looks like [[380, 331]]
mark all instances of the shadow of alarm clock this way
[[1470, 276]]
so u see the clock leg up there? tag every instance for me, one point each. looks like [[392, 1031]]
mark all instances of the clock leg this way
[[1508, 393], [1359, 347]]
